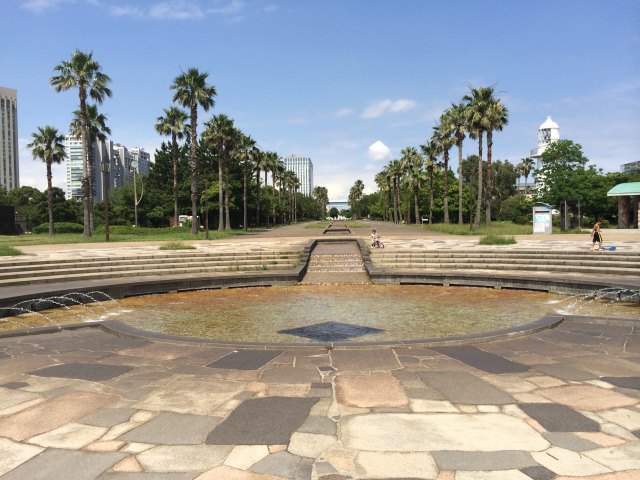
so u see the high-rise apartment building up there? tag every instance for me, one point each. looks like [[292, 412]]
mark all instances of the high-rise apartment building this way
[[9, 162], [303, 168]]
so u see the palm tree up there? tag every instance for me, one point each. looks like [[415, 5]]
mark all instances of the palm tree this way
[[258, 164], [443, 134], [355, 196], [321, 195], [48, 146], [219, 131], [84, 73], [498, 117], [478, 104], [413, 167], [431, 150], [395, 171], [96, 130], [458, 118], [192, 91], [246, 151], [174, 123], [525, 167]]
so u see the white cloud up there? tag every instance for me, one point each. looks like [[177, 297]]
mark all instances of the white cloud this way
[[230, 8], [384, 107], [343, 112], [379, 152], [39, 6], [125, 11], [176, 10]]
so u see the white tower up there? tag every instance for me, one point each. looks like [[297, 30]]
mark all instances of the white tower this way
[[547, 133]]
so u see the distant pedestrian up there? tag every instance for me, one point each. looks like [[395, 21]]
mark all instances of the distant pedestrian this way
[[596, 237]]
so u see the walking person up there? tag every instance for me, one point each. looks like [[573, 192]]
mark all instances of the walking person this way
[[596, 237]]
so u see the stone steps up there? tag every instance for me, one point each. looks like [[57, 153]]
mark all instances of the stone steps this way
[[538, 261], [32, 271]]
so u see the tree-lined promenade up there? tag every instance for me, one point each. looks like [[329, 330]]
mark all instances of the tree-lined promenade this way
[[220, 175]]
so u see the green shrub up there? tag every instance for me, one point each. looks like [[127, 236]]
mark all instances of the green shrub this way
[[60, 227], [176, 246], [497, 240], [7, 250]]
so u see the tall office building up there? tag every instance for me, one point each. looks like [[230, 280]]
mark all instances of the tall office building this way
[[143, 158], [9, 162], [303, 168], [103, 152]]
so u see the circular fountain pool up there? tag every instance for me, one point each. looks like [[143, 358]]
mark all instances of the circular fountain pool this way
[[330, 313]]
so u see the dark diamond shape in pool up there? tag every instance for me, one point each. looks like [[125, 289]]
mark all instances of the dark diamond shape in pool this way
[[331, 331]]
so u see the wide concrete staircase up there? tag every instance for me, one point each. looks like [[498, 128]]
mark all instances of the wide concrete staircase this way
[[30, 271], [336, 262], [502, 260]]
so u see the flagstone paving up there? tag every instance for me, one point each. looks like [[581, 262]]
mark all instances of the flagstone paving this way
[[542, 406]]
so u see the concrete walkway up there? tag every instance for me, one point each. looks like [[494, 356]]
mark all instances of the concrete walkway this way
[[559, 404]]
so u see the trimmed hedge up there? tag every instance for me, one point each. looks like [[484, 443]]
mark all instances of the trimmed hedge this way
[[60, 227]]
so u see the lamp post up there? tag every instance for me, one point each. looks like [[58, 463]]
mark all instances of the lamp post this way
[[105, 196], [133, 166]]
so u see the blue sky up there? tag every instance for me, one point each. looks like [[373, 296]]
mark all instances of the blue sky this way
[[348, 83]]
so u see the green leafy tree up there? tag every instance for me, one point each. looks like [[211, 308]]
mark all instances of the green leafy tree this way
[[192, 91], [84, 73], [48, 145]]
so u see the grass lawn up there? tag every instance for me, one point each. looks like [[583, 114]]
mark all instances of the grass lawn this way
[[496, 228], [116, 234]]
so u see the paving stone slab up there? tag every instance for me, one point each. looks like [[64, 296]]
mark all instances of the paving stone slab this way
[[364, 360], [170, 428], [619, 457], [94, 372], [55, 464], [52, 414], [262, 421], [461, 387], [3, 355], [564, 372], [538, 473], [501, 460], [559, 418], [246, 359], [318, 424], [569, 441], [624, 382], [485, 361], [14, 385], [396, 464], [438, 431], [108, 417], [370, 391], [587, 397], [291, 375], [567, 462], [281, 464], [14, 454], [183, 458], [146, 476]]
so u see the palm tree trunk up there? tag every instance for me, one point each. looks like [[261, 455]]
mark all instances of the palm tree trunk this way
[[430, 197], [227, 219], [244, 200], [91, 184], [174, 149], [487, 190], [460, 219], [479, 204], [194, 172], [85, 164], [417, 208], [220, 193], [446, 186], [258, 197], [50, 197]]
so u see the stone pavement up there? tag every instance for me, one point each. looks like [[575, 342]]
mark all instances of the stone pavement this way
[[558, 404]]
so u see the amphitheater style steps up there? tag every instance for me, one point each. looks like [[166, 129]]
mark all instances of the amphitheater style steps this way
[[530, 261], [30, 271]]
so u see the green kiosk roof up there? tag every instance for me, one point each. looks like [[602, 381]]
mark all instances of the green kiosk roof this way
[[631, 188]]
